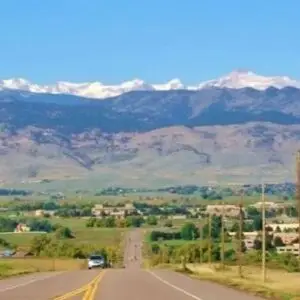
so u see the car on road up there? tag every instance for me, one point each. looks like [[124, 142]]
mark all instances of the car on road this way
[[96, 261]]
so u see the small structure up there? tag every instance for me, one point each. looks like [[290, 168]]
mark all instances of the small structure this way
[[22, 228], [42, 212], [286, 237], [284, 226], [100, 210], [294, 249], [229, 210], [269, 205]]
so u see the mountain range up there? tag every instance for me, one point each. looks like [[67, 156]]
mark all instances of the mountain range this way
[[240, 128], [236, 79]]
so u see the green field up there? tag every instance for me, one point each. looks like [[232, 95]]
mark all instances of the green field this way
[[102, 237]]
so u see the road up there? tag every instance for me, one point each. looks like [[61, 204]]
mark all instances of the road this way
[[132, 283]]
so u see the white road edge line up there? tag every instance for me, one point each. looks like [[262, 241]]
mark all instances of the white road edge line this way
[[28, 282], [174, 286]]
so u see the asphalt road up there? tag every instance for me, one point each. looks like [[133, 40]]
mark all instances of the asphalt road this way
[[132, 283], [135, 283]]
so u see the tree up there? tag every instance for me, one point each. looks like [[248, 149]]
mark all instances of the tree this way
[[50, 205], [91, 222], [39, 243], [152, 220], [134, 221], [257, 223], [277, 229], [248, 227], [64, 233], [252, 211], [168, 223], [258, 242], [189, 231], [278, 241], [109, 222]]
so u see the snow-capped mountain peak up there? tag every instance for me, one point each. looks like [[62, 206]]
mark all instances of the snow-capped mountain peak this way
[[236, 79], [244, 78], [173, 84]]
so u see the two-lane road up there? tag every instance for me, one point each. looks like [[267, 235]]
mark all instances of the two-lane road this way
[[132, 283], [135, 283]]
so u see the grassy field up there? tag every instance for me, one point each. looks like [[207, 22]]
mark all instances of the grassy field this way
[[83, 235], [100, 237], [279, 284], [12, 267], [156, 198]]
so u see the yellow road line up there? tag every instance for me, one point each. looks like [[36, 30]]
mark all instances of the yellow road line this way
[[91, 291], [91, 295], [79, 290]]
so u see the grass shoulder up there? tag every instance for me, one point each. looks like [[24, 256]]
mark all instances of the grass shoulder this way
[[20, 266], [280, 285]]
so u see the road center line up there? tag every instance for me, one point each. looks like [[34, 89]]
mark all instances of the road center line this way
[[174, 286], [28, 282]]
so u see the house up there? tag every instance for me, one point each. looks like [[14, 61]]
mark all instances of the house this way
[[286, 237], [22, 228], [100, 210]]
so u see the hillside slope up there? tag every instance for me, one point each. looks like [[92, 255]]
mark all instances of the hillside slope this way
[[173, 155]]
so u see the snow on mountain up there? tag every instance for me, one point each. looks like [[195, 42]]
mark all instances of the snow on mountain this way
[[243, 78], [236, 79]]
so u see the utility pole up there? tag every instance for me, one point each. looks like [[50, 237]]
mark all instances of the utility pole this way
[[223, 237], [209, 239], [240, 238], [298, 197], [263, 263]]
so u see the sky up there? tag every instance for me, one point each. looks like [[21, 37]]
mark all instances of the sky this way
[[117, 40]]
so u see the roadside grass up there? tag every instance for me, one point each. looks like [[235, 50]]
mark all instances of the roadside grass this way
[[20, 266], [279, 285]]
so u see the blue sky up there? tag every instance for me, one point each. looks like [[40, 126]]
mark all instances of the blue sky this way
[[157, 40]]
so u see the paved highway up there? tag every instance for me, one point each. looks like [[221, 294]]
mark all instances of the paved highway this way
[[132, 283]]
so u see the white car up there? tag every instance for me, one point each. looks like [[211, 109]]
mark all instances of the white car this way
[[96, 261]]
